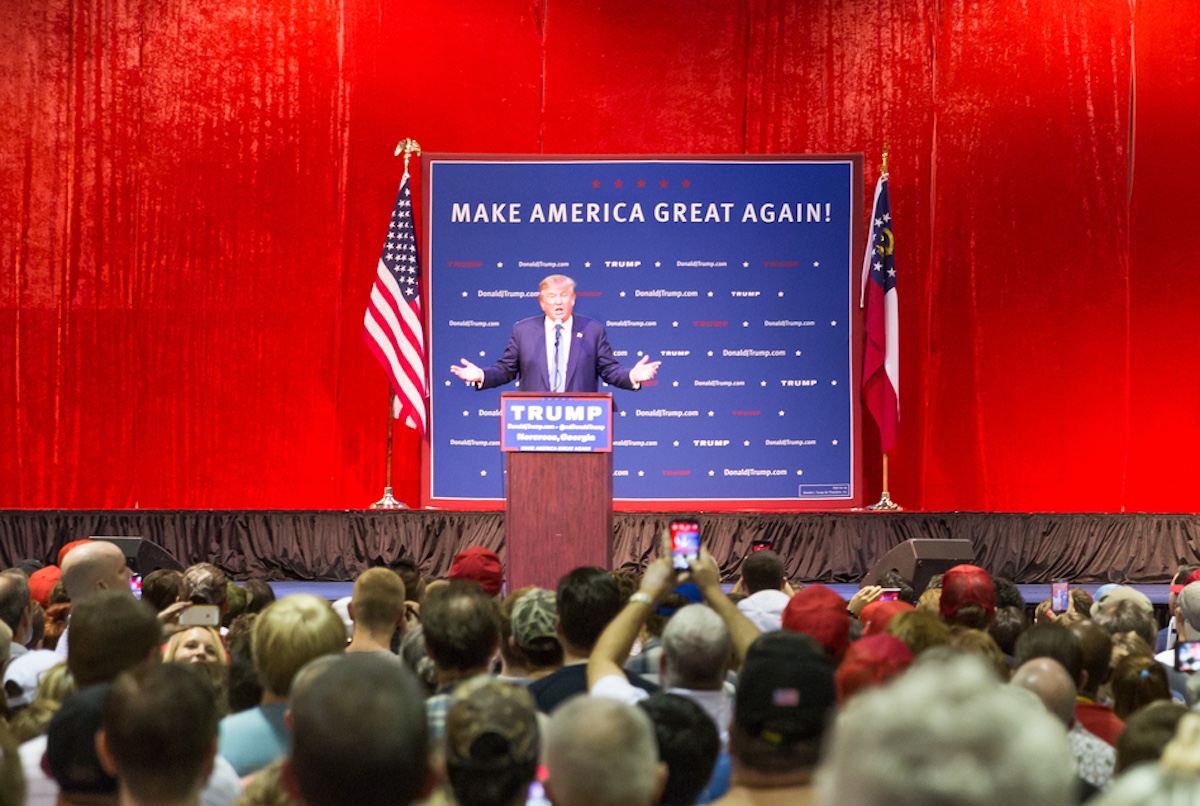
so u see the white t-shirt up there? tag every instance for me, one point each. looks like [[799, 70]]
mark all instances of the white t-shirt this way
[[222, 789], [717, 704]]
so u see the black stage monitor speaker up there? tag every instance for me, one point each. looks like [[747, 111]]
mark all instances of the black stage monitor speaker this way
[[142, 555], [917, 560]]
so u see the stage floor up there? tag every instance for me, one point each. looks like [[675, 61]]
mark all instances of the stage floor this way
[[1032, 593]]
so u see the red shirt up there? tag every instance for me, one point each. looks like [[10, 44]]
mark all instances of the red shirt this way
[[1099, 719]]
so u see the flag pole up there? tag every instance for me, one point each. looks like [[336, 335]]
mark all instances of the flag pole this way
[[407, 147], [885, 502], [389, 501]]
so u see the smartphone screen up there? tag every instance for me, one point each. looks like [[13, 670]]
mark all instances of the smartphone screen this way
[[201, 615], [760, 545], [685, 543], [889, 595], [1187, 656], [1060, 596], [135, 585]]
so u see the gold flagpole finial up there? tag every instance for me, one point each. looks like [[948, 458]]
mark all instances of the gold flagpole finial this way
[[408, 147], [883, 169]]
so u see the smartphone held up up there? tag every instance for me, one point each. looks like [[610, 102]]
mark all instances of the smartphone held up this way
[[685, 543]]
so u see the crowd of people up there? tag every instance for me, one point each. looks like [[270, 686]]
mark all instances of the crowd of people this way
[[617, 687]]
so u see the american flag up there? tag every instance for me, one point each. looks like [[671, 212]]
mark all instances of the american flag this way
[[392, 324], [881, 365]]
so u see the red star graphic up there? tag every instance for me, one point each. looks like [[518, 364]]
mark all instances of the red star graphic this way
[[662, 183], [641, 183], [596, 183], [618, 183], [687, 184]]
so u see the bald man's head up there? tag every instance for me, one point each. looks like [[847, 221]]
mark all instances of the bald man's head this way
[[1047, 678], [94, 567]]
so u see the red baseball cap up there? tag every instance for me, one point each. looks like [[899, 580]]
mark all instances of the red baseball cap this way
[[42, 581], [481, 565], [870, 661], [964, 585], [819, 612], [876, 615]]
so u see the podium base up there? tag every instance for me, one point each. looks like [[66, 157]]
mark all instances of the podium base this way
[[388, 501]]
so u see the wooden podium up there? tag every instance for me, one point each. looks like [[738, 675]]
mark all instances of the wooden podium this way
[[558, 488]]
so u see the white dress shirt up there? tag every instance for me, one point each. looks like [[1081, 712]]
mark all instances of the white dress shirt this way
[[564, 349]]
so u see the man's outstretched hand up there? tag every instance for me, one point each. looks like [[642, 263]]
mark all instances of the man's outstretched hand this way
[[468, 372], [642, 371]]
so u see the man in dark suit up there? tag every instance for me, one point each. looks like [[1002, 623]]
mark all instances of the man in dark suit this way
[[558, 352]]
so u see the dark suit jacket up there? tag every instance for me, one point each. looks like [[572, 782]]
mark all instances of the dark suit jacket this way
[[525, 356]]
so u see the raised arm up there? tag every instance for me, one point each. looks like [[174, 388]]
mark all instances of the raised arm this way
[[614, 643], [707, 577]]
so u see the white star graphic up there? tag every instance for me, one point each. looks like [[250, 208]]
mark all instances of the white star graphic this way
[[712, 472], [710, 414], [587, 264], [658, 264], [676, 443], [499, 265], [483, 472], [745, 265], [781, 412]]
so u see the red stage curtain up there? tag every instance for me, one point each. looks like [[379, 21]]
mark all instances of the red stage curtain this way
[[193, 194]]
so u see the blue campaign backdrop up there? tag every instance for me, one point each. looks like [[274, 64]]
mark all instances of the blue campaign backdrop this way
[[740, 275]]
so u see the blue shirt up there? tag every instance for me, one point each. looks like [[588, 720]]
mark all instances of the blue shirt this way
[[250, 740]]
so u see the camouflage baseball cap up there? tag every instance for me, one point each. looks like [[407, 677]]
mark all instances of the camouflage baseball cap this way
[[535, 615], [491, 722], [203, 583]]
